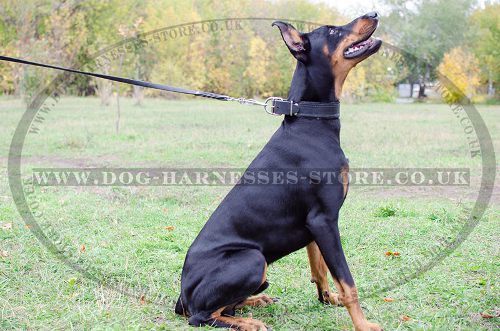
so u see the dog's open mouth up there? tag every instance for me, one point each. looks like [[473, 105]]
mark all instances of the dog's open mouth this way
[[365, 47]]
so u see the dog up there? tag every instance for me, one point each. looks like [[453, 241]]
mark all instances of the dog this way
[[255, 225]]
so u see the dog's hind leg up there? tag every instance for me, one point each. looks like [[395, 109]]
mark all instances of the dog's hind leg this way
[[258, 299], [237, 275]]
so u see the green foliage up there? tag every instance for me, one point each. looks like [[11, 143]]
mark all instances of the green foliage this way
[[385, 211], [426, 30], [485, 34], [256, 70], [462, 69], [246, 57]]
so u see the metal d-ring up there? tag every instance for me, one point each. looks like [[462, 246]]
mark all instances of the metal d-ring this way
[[270, 103]]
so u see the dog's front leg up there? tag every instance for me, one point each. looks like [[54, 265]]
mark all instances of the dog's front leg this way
[[326, 234], [319, 272]]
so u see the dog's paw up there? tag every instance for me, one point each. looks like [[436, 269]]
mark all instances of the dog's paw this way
[[331, 298], [370, 327], [260, 300]]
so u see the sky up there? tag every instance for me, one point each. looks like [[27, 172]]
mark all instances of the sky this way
[[355, 7], [358, 7]]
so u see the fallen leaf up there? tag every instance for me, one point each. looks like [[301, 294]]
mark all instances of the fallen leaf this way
[[28, 226], [405, 318], [388, 299], [494, 314], [4, 254], [486, 315], [83, 248], [170, 228], [142, 300], [7, 226]]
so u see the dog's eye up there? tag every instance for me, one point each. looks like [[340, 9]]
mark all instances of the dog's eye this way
[[334, 32]]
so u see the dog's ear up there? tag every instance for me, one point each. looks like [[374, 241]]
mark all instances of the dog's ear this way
[[297, 43]]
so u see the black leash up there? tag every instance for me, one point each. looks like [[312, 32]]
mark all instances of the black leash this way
[[272, 105]]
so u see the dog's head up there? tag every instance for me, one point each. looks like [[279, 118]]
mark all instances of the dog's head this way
[[333, 50]]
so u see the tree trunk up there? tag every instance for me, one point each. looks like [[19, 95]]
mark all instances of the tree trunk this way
[[421, 90], [17, 74], [138, 95], [425, 78], [491, 90], [117, 86], [138, 92], [104, 86]]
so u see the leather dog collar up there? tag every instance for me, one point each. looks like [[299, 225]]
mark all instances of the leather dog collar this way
[[328, 110]]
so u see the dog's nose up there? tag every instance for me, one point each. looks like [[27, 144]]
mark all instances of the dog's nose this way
[[372, 14]]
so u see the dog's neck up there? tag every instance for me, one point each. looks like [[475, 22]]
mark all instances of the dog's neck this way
[[312, 83], [316, 85]]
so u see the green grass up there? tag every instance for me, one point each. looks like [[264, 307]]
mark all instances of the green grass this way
[[127, 245]]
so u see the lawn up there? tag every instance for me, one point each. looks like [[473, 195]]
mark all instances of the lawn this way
[[132, 240]]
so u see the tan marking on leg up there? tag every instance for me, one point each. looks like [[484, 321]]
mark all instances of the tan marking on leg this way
[[264, 275], [319, 272], [218, 312], [351, 302], [239, 323], [344, 173], [338, 287], [260, 300]]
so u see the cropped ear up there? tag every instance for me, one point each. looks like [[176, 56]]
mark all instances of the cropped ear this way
[[297, 43]]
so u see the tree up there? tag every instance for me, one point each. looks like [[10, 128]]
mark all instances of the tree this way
[[426, 29], [21, 21], [461, 67], [354, 87], [485, 38], [258, 62]]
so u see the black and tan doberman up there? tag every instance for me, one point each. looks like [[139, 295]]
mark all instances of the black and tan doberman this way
[[255, 225]]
